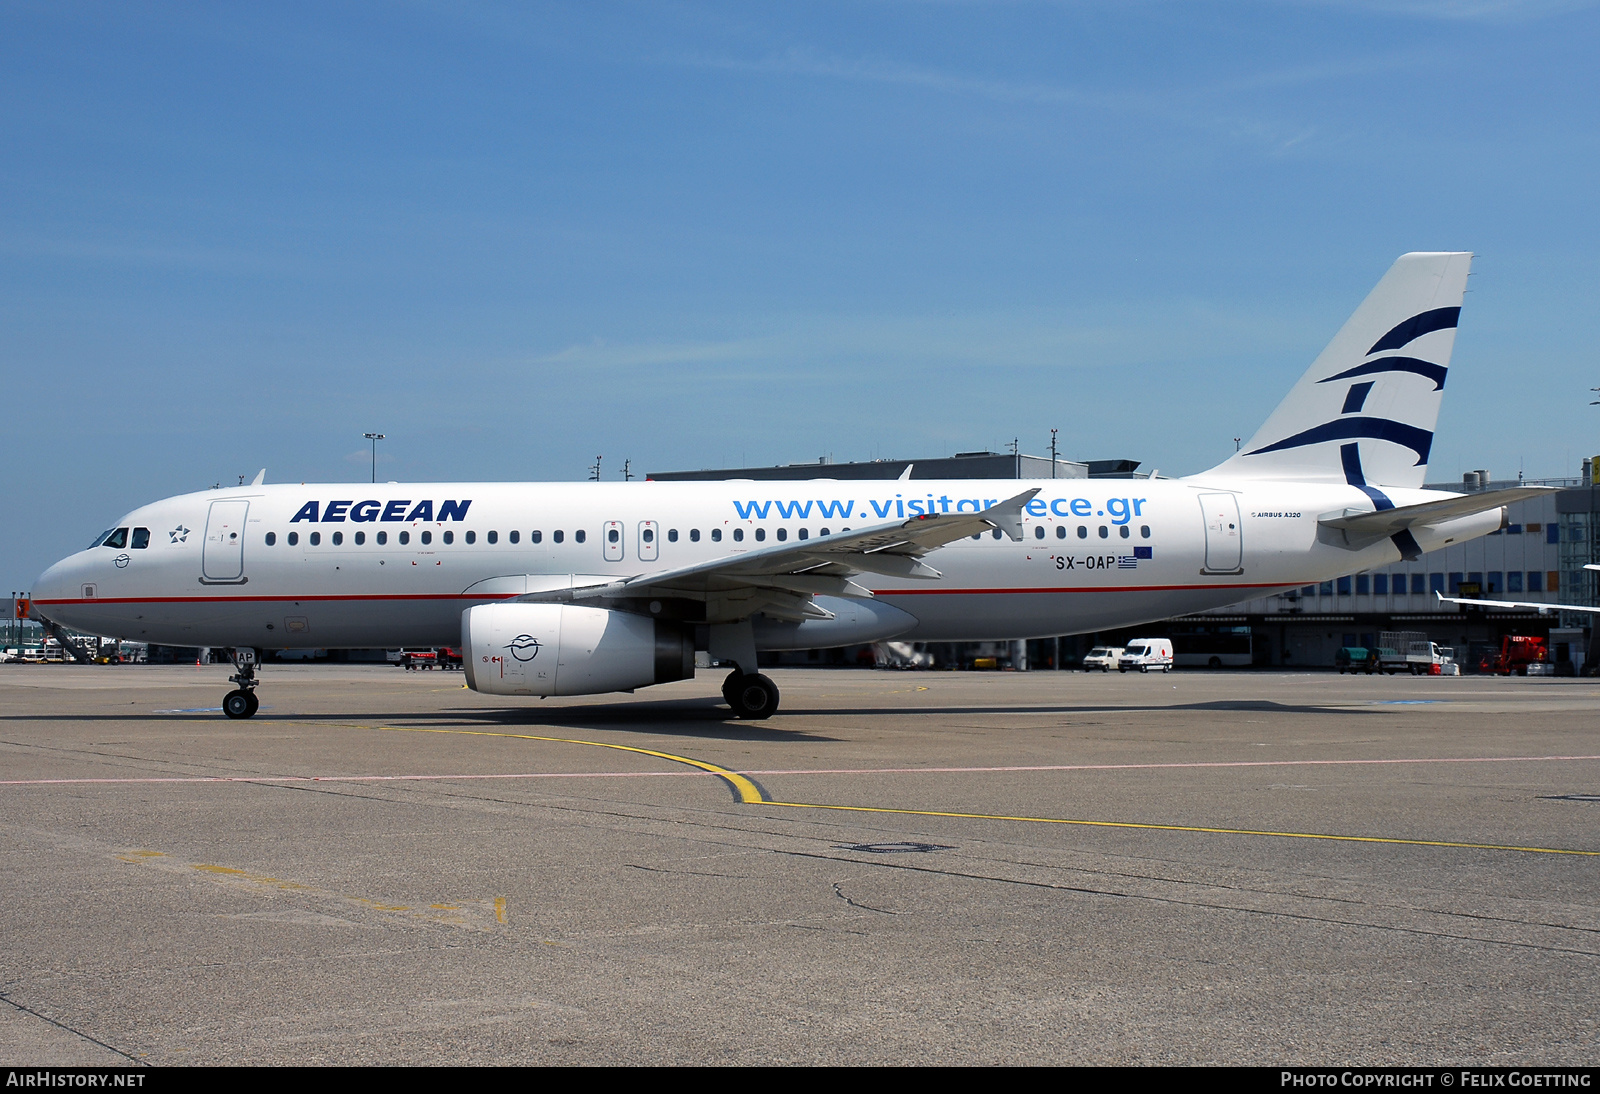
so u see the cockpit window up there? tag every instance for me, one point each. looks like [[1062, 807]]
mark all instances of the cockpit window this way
[[117, 539], [141, 538], [101, 538]]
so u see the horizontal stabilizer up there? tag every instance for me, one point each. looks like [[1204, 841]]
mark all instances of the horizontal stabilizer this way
[[1513, 604], [1387, 522]]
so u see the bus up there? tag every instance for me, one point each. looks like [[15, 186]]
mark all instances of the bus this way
[[1214, 648]]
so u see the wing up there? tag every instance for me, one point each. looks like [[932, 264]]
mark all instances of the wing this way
[[782, 580]]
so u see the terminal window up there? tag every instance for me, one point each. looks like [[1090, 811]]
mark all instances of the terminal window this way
[[1496, 583], [1436, 583], [1514, 581], [1326, 588], [1536, 581], [1455, 582], [1380, 584], [1344, 586], [1552, 533], [1363, 584]]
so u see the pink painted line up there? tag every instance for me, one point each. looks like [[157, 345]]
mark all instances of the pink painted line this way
[[790, 771], [1144, 767]]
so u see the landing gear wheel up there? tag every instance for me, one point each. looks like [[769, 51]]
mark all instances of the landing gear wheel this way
[[751, 696], [239, 704]]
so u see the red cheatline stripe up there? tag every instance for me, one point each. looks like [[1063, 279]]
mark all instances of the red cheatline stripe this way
[[508, 596], [280, 599]]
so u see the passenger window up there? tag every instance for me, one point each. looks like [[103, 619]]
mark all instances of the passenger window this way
[[558, 536], [580, 535], [649, 535], [535, 537], [294, 539], [272, 539], [405, 538], [427, 537], [783, 534], [823, 532], [1105, 533], [1144, 531], [493, 537], [449, 536], [672, 535], [141, 538], [694, 535], [338, 539], [472, 537], [383, 537], [613, 535], [716, 535], [805, 534], [738, 535], [977, 535], [117, 539], [995, 533], [515, 536], [1061, 531], [316, 539], [361, 539], [1123, 532], [1038, 531]]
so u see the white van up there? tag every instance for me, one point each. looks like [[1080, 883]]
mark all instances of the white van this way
[[1145, 654], [1103, 658]]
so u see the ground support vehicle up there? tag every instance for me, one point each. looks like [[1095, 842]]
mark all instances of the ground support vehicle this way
[[1145, 654], [1102, 658], [1515, 655]]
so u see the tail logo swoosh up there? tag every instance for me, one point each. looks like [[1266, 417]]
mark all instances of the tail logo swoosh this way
[[1349, 429], [1425, 323], [1433, 372]]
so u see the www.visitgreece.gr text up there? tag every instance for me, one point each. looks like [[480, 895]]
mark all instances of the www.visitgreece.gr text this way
[[1118, 510]]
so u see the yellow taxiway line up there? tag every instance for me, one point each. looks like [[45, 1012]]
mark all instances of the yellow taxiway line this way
[[750, 794]]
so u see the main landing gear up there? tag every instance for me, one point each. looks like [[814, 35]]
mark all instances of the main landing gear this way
[[242, 702], [751, 695]]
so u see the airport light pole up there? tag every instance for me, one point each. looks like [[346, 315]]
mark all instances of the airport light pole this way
[[374, 438]]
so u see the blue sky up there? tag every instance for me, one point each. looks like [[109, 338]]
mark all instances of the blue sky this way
[[513, 237]]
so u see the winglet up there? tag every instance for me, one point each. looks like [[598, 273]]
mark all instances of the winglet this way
[[1007, 515], [906, 474], [261, 477]]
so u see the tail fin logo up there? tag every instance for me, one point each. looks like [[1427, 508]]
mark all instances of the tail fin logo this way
[[1399, 336]]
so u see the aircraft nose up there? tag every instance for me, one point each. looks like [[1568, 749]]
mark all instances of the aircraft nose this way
[[60, 582]]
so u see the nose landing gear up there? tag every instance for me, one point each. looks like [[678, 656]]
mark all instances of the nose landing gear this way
[[242, 702]]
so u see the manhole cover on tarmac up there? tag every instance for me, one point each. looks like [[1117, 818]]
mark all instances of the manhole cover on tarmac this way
[[1571, 797], [893, 848]]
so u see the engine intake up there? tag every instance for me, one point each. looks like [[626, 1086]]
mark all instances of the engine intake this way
[[564, 649]]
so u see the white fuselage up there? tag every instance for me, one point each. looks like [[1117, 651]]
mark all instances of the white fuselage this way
[[361, 566]]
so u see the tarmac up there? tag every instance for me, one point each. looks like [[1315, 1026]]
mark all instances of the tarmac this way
[[899, 868]]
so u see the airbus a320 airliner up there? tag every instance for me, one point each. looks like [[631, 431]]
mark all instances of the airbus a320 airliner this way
[[584, 588]]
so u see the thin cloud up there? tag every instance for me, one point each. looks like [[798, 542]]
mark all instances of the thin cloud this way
[[1172, 108]]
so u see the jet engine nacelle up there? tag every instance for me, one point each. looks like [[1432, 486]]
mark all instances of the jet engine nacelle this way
[[564, 649]]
